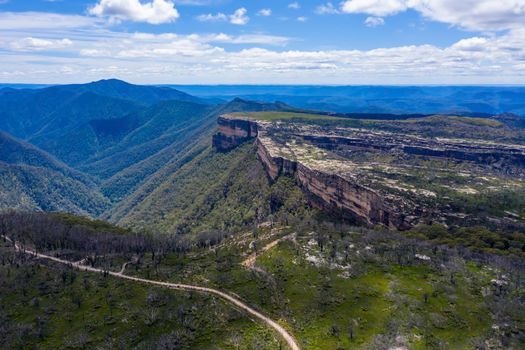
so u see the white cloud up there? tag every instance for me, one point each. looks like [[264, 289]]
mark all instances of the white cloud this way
[[95, 51], [258, 39], [265, 12], [471, 44], [374, 21], [374, 7], [239, 17], [475, 14], [209, 17], [154, 12], [327, 8], [481, 15], [42, 20], [36, 44], [294, 5], [193, 2], [302, 19]]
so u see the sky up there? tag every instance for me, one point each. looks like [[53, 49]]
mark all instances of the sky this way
[[349, 42]]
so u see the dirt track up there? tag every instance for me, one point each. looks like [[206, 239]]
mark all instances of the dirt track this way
[[232, 300]]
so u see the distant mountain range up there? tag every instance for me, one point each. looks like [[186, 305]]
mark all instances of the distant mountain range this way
[[377, 99]]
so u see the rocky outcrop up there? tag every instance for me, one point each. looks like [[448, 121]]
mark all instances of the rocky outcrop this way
[[232, 132], [439, 148], [375, 176], [274, 166], [329, 192], [333, 193]]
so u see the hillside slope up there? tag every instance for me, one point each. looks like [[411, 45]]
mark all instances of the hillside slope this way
[[32, 179], [186, 159], [71, 121], [31, 188]]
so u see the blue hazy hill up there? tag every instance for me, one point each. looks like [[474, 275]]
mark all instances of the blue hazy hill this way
[[376, 99]]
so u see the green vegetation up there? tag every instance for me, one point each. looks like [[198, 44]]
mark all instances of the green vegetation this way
[[95, 225], [290, 116], [193, 215], [453, 118], [333, 286], [53, 307], [478, 239], [215, 191], [35, 188]]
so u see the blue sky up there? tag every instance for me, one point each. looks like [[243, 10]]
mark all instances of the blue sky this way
[[262, 42]]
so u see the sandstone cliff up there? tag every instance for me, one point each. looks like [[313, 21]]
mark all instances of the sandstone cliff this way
[[383, 177], [327, 191]]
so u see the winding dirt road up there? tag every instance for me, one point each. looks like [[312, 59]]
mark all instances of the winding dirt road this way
[[250, 261], [292, 343]]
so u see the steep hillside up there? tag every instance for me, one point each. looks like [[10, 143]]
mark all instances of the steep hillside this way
[[159, 126], [186, 199], [32, 179], [163, 167], [32, 188], [166, 132], [145, 175], [70, 121], [69, 134], [18, 152]]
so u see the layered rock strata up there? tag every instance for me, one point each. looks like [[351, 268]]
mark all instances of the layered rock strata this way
[[325, 190]]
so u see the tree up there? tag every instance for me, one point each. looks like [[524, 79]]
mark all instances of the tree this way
[[351, 331]]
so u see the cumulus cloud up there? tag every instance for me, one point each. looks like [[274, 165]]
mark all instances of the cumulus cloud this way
[[294, 5], [475, 14], [327, 8], [209, 17], [302, 19], [239, 17], [154, 12], [374, 7], [258, 39], [374, 21], [471, 44], [484, 15], [90, 52], [36, 44], [265, 12]]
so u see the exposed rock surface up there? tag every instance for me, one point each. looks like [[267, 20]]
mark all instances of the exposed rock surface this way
[[232, 132], [328, 165], [326, 191]]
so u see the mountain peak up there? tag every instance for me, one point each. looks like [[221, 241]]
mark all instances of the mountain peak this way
[[111, 82]]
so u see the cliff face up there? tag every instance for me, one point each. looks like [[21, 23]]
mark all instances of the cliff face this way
[[380, 177], [325, 191], [333, 193], [232, 132]]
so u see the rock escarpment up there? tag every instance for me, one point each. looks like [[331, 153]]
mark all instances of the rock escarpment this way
[[233, 132], [384, 177], [325, 190]]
